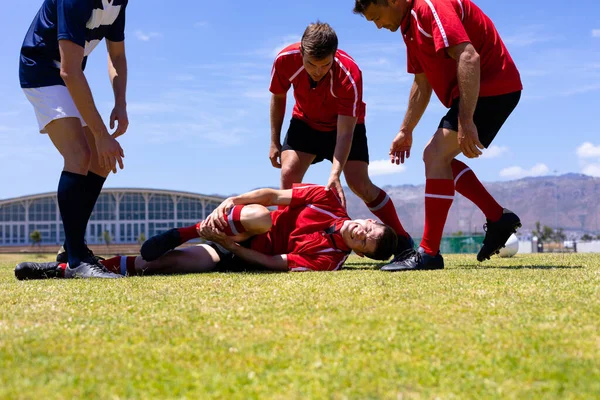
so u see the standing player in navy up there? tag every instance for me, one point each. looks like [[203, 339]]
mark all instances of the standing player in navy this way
[[53, 57], [328, 121], [453, 49]]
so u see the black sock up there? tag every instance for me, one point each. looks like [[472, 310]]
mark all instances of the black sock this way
[[71, 202], [93, 187]]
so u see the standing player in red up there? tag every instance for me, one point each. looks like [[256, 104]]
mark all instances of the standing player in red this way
[[453, 49], [328, 121], [312, 233]]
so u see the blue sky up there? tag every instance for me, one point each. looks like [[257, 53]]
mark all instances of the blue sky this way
[[199, 101]]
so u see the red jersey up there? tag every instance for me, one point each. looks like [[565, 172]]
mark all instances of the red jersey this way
[[338, 93], [307, 231], [431, 26]]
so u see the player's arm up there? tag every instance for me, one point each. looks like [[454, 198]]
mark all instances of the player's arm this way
[[418, 100], [266, 197], [274, 263], [117, 72], [71, 55], [345, 134], [420, 95], [277, 114], [468, 66]]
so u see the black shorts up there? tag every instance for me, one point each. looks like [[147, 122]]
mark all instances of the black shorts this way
[[490, 114], [301, 137], [229, 262]]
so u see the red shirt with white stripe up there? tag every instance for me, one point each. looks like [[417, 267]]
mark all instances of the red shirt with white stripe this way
[[431, 26], [338, 93], [299, 230]]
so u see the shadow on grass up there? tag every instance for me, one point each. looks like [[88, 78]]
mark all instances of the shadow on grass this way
[[515, 267]]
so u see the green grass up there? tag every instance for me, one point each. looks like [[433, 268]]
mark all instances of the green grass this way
[[527, 327]]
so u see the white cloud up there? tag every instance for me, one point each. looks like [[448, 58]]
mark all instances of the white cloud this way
[[144, 37], [528, 36], [592, 170], [184, 78], [596, 33], [384, 167], [588, 150], [283, 43], [494, 151], [519, 172]]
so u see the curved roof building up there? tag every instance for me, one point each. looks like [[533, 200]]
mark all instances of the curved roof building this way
[[128, 215]]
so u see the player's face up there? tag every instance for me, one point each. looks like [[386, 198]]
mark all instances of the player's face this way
[[317, 69], [388, 16], [362, 235]]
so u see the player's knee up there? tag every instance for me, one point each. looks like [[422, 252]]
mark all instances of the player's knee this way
[[361, 188], [256, 218], [79, 160]]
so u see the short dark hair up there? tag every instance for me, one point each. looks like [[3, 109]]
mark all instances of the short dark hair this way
[[319, 40], [386, 244], [360, 6]]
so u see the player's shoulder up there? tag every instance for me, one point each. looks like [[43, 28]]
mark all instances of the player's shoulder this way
[[290, 52], [346, 59]]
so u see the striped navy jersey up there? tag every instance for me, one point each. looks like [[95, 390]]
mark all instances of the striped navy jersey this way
[[83, 22]]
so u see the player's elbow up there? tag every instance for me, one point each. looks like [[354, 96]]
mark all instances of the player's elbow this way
[[69, 74], [470, 55]]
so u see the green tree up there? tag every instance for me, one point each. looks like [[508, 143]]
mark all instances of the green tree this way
[[587, 238], [141, 238], [458, 233], [36, 238], [545, 233], [107, 238]]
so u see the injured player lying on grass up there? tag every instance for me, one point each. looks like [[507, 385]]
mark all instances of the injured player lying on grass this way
[[311, 232]]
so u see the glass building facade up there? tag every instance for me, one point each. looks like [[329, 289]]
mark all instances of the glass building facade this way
[[120, 215]]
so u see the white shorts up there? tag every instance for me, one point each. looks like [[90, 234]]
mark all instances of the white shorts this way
[[50, 103]]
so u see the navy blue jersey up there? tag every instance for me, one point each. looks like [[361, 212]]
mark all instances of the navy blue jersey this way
[[83, 22]]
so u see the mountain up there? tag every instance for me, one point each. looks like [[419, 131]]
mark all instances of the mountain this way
[[570, 201]]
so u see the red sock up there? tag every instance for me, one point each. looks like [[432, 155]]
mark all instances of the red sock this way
[[383, 207], [467, 184], [120, 265], [129, 266], [188, 233], [62, 268], [439, 194], [234, 223], [113, 264]]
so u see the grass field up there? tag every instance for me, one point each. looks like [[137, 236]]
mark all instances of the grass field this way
[[527, 327]]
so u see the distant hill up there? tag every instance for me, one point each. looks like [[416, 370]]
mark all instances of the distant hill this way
[[570, 201]]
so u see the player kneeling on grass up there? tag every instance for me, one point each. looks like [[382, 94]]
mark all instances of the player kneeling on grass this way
[[312, 233]]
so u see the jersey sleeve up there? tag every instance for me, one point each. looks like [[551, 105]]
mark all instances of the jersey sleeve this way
[[316, 262], [446, 24], [280, 81], [413, 64], [116, 32], [71, 20], [304, 194], [351, 88]]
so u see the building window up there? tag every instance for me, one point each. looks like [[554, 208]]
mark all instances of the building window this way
[[105, 209], [132, 207], [12, 213], [189, 209], [42, 210], [161, 207]]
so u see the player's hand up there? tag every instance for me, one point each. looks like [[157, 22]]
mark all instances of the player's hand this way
[[468, 139], [119, 114], [109, 152], [275, 155], [334, 182], [216, 236], [400, 148], [217, 219]]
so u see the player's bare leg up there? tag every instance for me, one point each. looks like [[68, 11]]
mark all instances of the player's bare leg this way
[[242, 223], [294, 165]]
